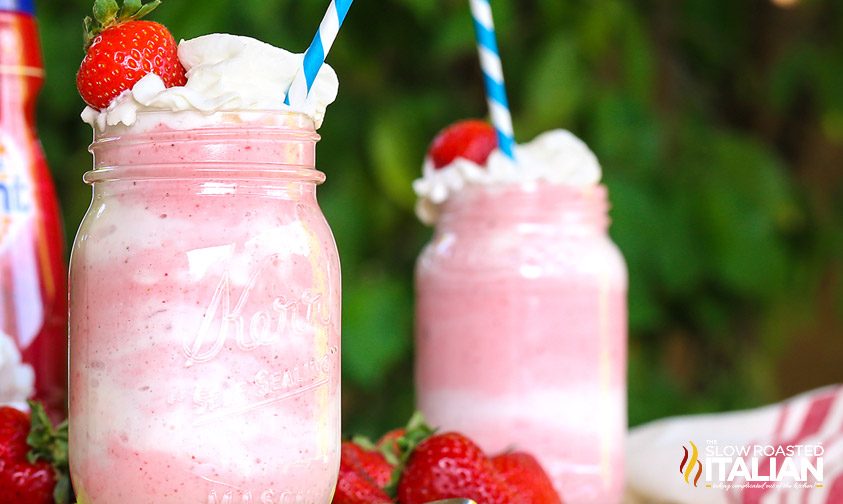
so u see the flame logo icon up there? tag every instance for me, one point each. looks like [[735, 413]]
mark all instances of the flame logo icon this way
[[686, 468]]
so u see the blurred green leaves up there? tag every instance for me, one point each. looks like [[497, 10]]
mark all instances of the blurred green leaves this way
[[375, 328], [555, 87], [397, 151], [745, 204]]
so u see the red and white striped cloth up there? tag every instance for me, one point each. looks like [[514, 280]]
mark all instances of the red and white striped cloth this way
[[655, 452]]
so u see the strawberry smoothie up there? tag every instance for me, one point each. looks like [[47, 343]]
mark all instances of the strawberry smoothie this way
[[521, 313], [205, 294]]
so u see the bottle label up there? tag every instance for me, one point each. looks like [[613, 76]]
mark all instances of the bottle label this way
[[17, 203]]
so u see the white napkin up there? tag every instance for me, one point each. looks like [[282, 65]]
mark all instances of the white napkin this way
[[656, 461]]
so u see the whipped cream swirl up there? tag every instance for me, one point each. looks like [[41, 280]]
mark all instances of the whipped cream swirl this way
[[17, 379], [224, 73], [556, 156]]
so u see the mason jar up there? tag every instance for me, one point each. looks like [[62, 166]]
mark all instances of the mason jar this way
[[205, 315], [521, 330]]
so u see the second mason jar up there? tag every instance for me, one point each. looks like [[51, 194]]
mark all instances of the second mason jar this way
[[205, 315], [521, 330]]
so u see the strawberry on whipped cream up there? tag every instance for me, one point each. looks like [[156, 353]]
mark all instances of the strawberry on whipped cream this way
[[556, 156], [224, 73]]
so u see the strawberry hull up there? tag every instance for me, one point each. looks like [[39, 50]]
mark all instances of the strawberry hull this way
[[205, 316]]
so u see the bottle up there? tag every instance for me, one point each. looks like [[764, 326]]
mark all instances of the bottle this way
[[33, 296]]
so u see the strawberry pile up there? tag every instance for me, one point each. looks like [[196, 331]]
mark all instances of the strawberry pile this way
[[417, 465], [33, 458], [120, 50]]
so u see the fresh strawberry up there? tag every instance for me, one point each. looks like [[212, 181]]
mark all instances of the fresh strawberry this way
[[363, 474], [14, 427], [448, 466], [353, 488], [370, 463], [37, 475], [471, 139], [525, 476], [389, 441], [25, 483], [121, 50]]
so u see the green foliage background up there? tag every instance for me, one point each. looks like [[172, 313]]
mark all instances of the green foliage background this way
[[719, 124]]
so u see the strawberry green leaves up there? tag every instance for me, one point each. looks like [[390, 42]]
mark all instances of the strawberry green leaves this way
[[109, 13], [49, 444]]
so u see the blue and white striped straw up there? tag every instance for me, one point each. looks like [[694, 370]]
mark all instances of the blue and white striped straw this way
[[315, 55], [490, 63]]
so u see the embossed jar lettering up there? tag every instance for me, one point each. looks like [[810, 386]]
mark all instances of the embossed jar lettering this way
[[227, 316]]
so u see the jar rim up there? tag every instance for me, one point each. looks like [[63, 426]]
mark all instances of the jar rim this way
[[218, 138], [528, 189], [214, 171], [512, 203]]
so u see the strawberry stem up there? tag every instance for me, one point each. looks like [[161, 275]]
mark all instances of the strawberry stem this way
[[108, 13], [388, 451], [49, 443], [416, 432], [105, 11], [364, 443]]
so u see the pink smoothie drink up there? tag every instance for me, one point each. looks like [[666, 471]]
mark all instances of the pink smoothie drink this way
[[205, 314], [205, 321], [521, 328]]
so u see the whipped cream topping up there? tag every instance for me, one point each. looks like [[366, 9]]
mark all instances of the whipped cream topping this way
[[17, 379], [556, 156], [224, 73]]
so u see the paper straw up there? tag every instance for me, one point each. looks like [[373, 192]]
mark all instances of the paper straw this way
[[315, 55], [490, 63]]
